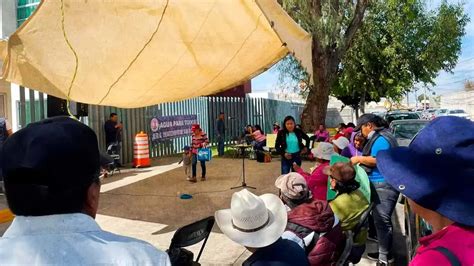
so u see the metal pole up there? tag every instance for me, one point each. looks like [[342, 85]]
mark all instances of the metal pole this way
[[424, 96]]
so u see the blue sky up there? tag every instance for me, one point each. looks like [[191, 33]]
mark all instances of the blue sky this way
[[445, 82]]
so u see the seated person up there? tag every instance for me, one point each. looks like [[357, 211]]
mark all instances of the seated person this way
[[350, 203], [55, 205], [340, 131], [341, 145], [311, 223], [435, 173], [257, 223], [247, 134], [259, 138], [355, 147], [318, 181], [321, 135]]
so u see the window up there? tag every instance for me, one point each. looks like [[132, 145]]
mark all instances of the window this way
[[3, 105]]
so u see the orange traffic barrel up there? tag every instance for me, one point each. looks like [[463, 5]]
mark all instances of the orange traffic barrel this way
[[141, 153]]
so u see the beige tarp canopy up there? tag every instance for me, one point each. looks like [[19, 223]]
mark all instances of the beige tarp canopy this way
[[133, 53]]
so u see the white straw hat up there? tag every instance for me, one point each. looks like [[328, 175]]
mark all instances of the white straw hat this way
[[341, 142], [253, 221], [323, 151]]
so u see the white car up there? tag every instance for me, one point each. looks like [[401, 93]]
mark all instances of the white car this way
[[458, 113]]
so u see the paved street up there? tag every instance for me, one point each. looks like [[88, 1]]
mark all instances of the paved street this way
[[144, 203]]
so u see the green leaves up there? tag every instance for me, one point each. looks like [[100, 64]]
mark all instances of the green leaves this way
[[400, 44]]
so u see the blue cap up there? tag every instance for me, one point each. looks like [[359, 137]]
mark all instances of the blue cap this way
[[437, 169]]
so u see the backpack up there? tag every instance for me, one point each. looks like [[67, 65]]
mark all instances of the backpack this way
[[453, 260]]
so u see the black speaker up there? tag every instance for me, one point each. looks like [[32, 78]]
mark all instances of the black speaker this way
[[58, 107]]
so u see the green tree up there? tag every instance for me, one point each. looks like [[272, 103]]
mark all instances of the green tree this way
[[400, 44], [333, 25]]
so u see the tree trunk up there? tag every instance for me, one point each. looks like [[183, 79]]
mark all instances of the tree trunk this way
[[315, 110], [362, 104], [357, 112]]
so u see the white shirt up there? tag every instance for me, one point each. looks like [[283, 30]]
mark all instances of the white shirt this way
[[72, 239]]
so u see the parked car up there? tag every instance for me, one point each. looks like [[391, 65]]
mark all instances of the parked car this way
[[392, 116], [415, 227], [441, 112], [459, 113], [405, 130], [429, 114]]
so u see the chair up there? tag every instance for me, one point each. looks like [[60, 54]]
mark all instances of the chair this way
[[271, 142], [189, 235], [112, 151], [350, 234]]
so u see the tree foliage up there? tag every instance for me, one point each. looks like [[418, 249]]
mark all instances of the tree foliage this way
[[400, 44]]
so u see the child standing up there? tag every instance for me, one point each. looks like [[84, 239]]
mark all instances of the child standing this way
[[187, 160]]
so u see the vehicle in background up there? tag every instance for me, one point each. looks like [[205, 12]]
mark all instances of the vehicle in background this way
[[405, 130], [415, 227], [441, 112], [459, 113], [397, 115], [429, 114]]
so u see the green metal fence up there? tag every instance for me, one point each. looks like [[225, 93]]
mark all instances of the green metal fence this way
[[24, 10]]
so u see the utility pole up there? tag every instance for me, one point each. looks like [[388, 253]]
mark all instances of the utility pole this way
[[424, 96]]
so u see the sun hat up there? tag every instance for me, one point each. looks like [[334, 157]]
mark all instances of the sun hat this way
[[437, 169], [253, 221], [292, 186], [341, 142], [323, 151]]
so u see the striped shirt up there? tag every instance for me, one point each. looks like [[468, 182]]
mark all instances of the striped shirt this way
[[259, 137], [198, 142]]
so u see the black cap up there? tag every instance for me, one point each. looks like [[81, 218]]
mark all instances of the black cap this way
[[364, 119], [57, 153]]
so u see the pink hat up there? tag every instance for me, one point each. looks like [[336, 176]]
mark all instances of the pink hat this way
[[348, 130]]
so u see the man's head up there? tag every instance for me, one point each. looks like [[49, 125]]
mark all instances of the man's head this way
[[221, 115], [368, 123], [114, 117], [342, 176], [37, 165]]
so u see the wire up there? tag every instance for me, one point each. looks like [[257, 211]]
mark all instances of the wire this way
[[76, 62]]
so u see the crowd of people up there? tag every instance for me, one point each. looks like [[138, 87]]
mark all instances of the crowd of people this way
[[423, 172], [307, 223]]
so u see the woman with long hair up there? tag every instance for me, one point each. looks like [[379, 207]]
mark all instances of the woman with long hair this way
[[289, 144]]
